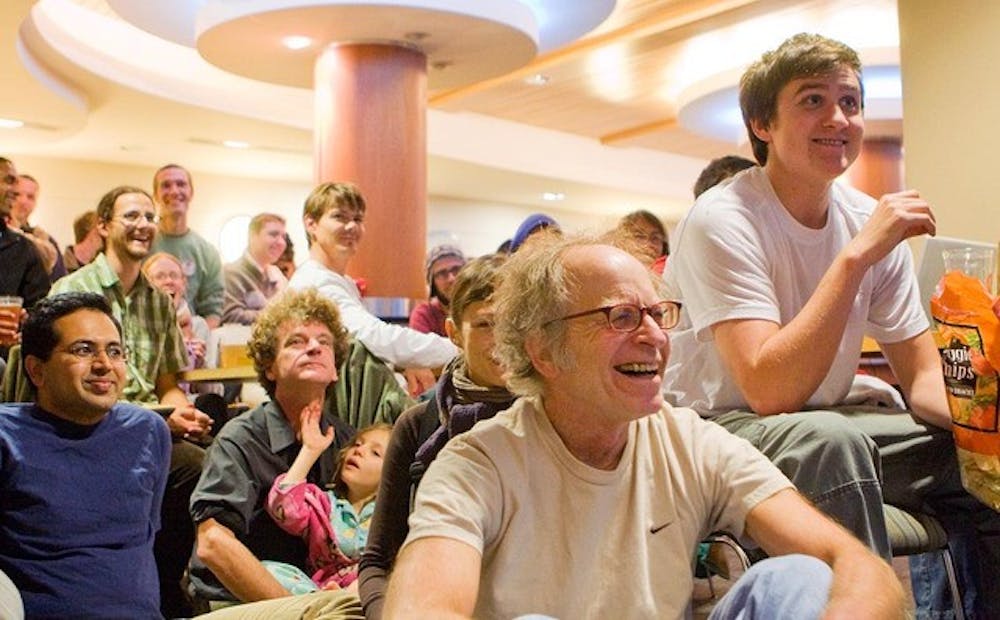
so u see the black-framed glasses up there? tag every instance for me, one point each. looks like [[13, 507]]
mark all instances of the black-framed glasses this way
[[89, 351], [132, 218], [628, 317]]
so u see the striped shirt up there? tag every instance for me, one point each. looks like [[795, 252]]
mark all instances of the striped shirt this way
[[149, 325]]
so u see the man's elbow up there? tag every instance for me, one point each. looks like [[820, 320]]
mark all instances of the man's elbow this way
[[765, 404], [211, 543]]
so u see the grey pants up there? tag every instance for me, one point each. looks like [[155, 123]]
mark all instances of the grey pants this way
[[850, 460]]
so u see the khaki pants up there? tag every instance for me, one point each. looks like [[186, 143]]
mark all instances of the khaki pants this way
[[323, 605]]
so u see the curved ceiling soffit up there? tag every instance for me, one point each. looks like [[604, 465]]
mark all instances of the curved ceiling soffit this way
[[126, 55], [559, 21], [54, 108]]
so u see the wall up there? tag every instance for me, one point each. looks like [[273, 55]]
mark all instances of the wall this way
[[951, 143], [69, 187]]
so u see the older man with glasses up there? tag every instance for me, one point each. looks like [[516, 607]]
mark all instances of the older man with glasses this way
[[127, 219], [587, 497]]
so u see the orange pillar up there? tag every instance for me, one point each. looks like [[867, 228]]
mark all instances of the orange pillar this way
[[879, 168], [371, 130]]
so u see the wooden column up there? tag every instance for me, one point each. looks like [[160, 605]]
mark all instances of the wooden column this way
[[879, 168], [370, 130]]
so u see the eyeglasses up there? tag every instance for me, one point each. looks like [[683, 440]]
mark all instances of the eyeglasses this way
[[90, 351], [132, 218], [628, 317], [450, 271]]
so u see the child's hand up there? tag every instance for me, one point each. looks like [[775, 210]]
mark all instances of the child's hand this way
[[311, 437]]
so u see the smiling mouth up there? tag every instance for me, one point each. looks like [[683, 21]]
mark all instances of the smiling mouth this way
[[636, 369], [102, 386], [830, 142]]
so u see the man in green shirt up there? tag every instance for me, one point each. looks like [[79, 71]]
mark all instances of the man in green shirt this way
[[173, 189], [127, 221]]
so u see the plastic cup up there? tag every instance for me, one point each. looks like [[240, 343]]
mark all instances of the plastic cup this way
[[979, 263], [11, 303]]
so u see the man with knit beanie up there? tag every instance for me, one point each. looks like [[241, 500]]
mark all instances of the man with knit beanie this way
[[443, 265]]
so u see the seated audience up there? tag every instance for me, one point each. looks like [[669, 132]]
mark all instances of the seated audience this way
[[470, 389], [334, 217], [173, 190], [127, 221], [88, 242], [297, 343], [532, 225], [254, 278], [783, 271], [581, 332], [443, 263], [333, 523], [649, 234], [81, 474], [24, 206], [23, 274]]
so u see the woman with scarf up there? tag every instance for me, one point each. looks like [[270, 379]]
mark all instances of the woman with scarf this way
[[471, 389]]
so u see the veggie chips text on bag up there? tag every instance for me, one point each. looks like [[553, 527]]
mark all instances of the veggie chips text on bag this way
[[968, 337]]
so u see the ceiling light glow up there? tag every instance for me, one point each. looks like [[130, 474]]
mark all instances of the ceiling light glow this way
[[553, 196], [235, 144], [10, 123], [296, 42]]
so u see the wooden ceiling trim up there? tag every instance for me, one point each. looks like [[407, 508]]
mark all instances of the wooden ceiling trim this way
[[638, 130], [673, 16]]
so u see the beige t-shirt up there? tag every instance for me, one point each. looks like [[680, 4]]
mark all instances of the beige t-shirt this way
[[564, 539]]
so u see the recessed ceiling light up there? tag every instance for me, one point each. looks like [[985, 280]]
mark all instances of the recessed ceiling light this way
[[10, 123], [537, 80], [296, 42], [553, 196], [236, 144]]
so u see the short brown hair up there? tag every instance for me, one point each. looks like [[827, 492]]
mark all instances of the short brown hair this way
[[327, 196], [802, 55], [106, 207], [474, 283], [168, 167], [306, 306], [83, 225], [258, 221]]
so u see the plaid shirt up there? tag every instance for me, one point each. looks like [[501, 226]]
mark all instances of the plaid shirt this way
[[149, 325]]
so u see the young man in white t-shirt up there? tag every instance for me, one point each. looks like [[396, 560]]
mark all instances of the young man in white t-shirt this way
[[782, 272]]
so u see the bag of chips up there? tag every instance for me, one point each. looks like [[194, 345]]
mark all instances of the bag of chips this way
[[968, 337]]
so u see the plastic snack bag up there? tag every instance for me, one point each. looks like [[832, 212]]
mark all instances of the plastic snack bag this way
[[968, 337]]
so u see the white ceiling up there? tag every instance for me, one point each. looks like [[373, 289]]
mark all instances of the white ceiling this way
[[91, 86]]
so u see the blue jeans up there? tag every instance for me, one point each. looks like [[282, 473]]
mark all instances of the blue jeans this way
[[790, 586], [929, 581]]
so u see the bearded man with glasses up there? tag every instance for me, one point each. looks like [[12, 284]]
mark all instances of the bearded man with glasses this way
[[126, 219], [586, 498], [81, 474]]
